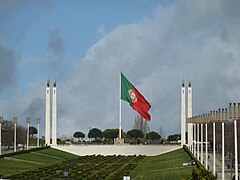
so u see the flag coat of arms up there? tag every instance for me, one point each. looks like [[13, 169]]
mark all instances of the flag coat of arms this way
[[136, 100]]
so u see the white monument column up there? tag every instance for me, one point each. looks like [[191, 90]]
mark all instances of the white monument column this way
[[206, 143], [190, 125], [183, 115], [47, 120], [197, 141], [214, 151], [28, 121], [193, 150], [54, 114], [195, 137], [223, 159]]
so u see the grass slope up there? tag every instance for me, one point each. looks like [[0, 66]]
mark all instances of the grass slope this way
[[164, 167], [30, 161]]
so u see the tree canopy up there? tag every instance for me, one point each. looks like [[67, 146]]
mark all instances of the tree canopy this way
[[32, 131], [79, 135], [110, 133], [95, 133], [135, 133], [153, 136]]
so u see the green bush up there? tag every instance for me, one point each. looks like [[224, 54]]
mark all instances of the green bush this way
[[200, 172], [23, 151]]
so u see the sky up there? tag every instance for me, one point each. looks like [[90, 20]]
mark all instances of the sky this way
[[83, 45]]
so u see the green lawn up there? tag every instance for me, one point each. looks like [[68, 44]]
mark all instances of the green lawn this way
[[51, 162], [166, 166], [31, 161]]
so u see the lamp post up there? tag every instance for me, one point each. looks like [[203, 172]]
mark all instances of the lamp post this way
[[15, 121], [1, 122], [38, 122], [28, 121], [235, 118], [65, 172]]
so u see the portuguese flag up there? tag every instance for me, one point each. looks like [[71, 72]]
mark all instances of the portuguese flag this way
[[130, 94]]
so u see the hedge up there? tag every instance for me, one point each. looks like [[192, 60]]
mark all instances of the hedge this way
[[23, 151]]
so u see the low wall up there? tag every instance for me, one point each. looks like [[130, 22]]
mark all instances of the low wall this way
[[148, 150]]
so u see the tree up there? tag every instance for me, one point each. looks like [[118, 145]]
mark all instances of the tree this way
[[174, 137], [110, 133], [135, 133], [153, 136], [141, 124], [32, 131], [79, 135], [95, 133], [8, 133]]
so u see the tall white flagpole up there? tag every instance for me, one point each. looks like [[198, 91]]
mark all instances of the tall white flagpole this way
[[120, 108]]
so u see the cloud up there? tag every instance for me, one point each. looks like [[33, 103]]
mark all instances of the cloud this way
[[189, 40], [8, 67], [56, 48]]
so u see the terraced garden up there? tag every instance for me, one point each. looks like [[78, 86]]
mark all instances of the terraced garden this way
[[164, 167], [51, 163]]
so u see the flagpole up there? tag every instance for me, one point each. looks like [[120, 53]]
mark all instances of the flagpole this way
[[120, 108]]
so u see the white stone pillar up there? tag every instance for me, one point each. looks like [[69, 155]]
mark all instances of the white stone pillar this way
[[195, 134], [194, 142], [214, 151], [206, 144], [223, 151], [198, 141], [190, 125], [235, 149], [183, 115], [47, 120], [201, 144], [54, 114]]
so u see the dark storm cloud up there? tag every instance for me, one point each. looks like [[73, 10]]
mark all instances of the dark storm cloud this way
[[56, 48], [8, 67], [35, 109]]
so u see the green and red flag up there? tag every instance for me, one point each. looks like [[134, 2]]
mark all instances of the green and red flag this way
[[130, 94]]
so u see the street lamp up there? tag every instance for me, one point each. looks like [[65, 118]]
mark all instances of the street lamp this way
[[15, 121], [1, 122], [65, 172], [38, 122]]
